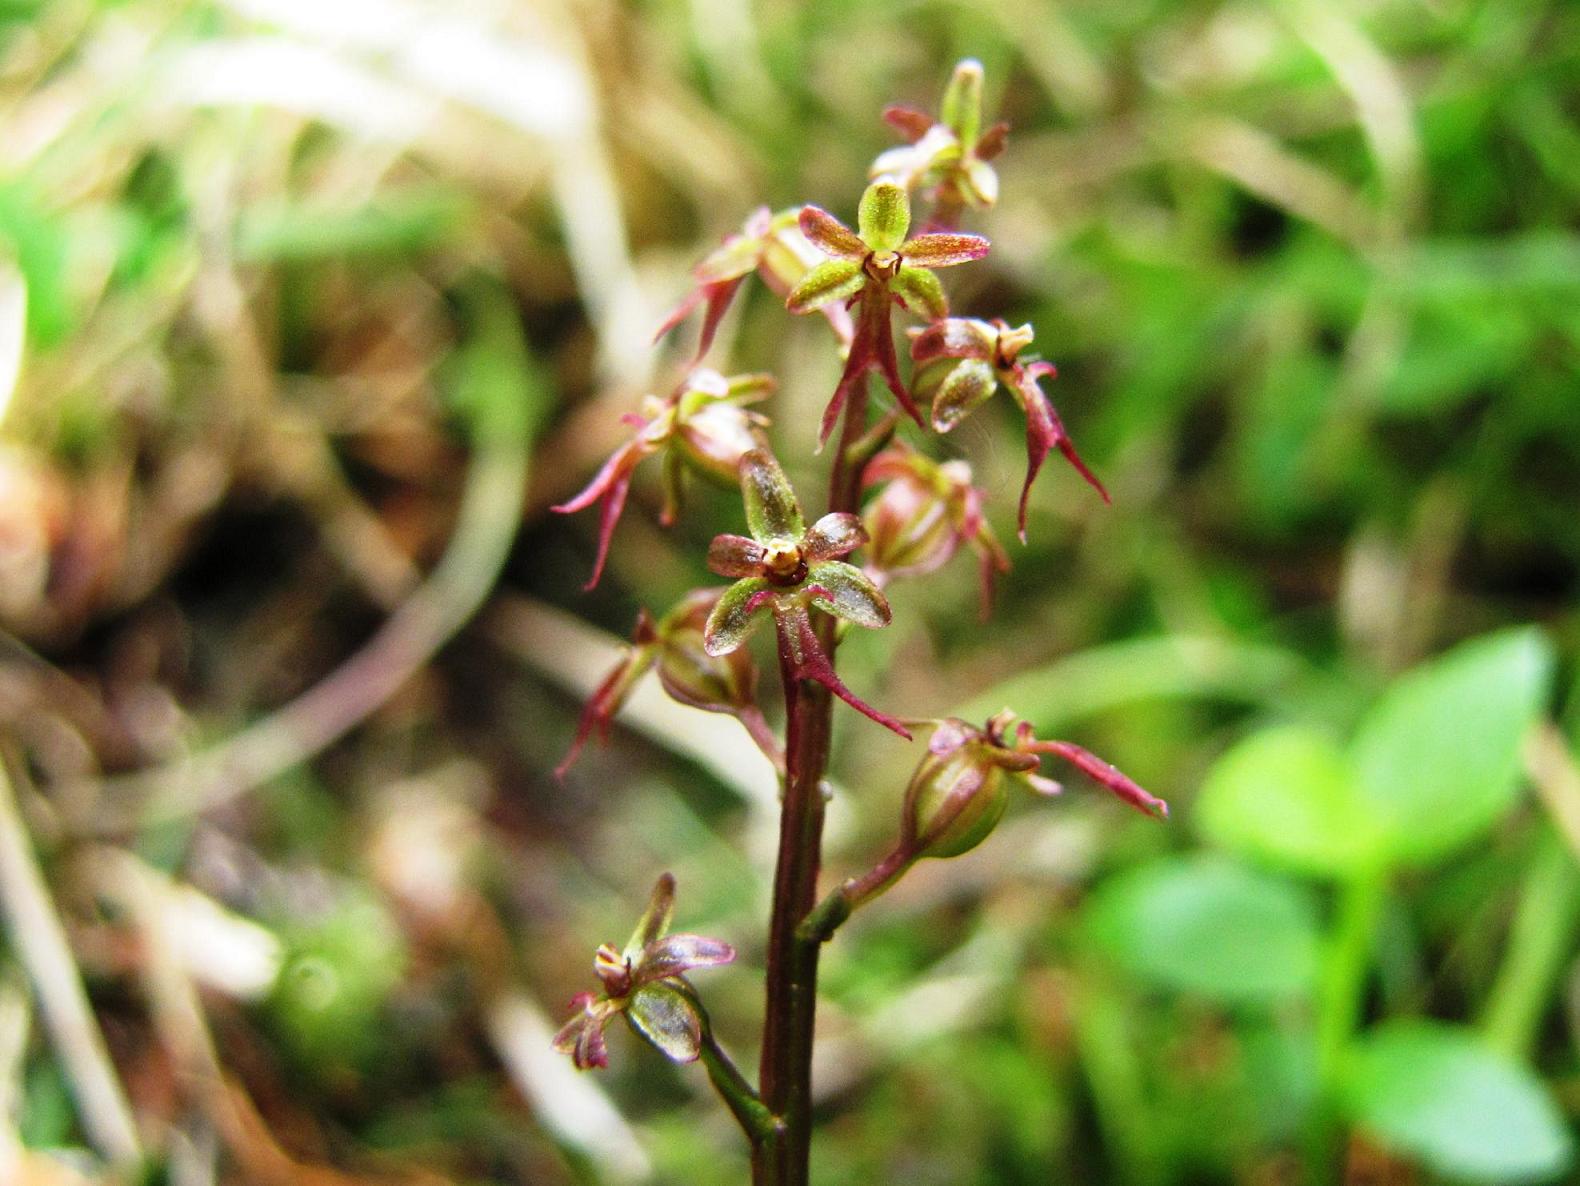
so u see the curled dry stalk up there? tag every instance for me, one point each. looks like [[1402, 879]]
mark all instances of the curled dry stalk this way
[[906, 514]]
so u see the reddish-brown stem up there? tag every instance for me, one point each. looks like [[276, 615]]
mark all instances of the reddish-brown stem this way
[[782, 1157]]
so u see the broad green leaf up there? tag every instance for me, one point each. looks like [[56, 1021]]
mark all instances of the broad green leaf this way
[[1289, 796], [1205, 925], [1438, 1094], [1439, 755]]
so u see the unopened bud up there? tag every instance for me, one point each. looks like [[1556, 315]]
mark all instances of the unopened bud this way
[[958, 793]]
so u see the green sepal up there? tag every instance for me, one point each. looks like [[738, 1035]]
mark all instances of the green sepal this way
[[655, 919], [773, 514], [830, 281], [920, 292], [969, 382], [731, 623], [962, 105], [884, 216], [852, 595], [663, 1016]]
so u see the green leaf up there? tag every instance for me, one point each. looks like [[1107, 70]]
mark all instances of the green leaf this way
[[1439, 755], [664, 1016], [1438, 1094], [1289, 796], [1205, 925], [884, 215]]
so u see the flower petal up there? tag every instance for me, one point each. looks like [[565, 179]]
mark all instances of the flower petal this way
[[919, 291], [799, 641], [610, 485], [833, 536], [943, 249], [1044, 433], [1097, 769], [666, 1018], [772, 512], [884, 215], [953, 337], [981, 181], [907, 121], [832, 280], [736, 617], [675, 955], [846, 592], [829, 235], [608, 699], [991, 142], [963, 390], [582, 1036], [735, 556]]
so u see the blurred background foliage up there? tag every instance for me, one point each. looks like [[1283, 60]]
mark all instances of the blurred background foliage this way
[[301, 303]]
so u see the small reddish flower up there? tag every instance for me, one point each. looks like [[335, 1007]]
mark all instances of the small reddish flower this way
[[948, 155], [713, 683], [783, 571], [769, 244], [703, 426], [875, 269], [960, 362], [645, 984], [960, 789], [925, 512]]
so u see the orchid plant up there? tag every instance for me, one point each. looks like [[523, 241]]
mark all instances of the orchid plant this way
[[893, 513]]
